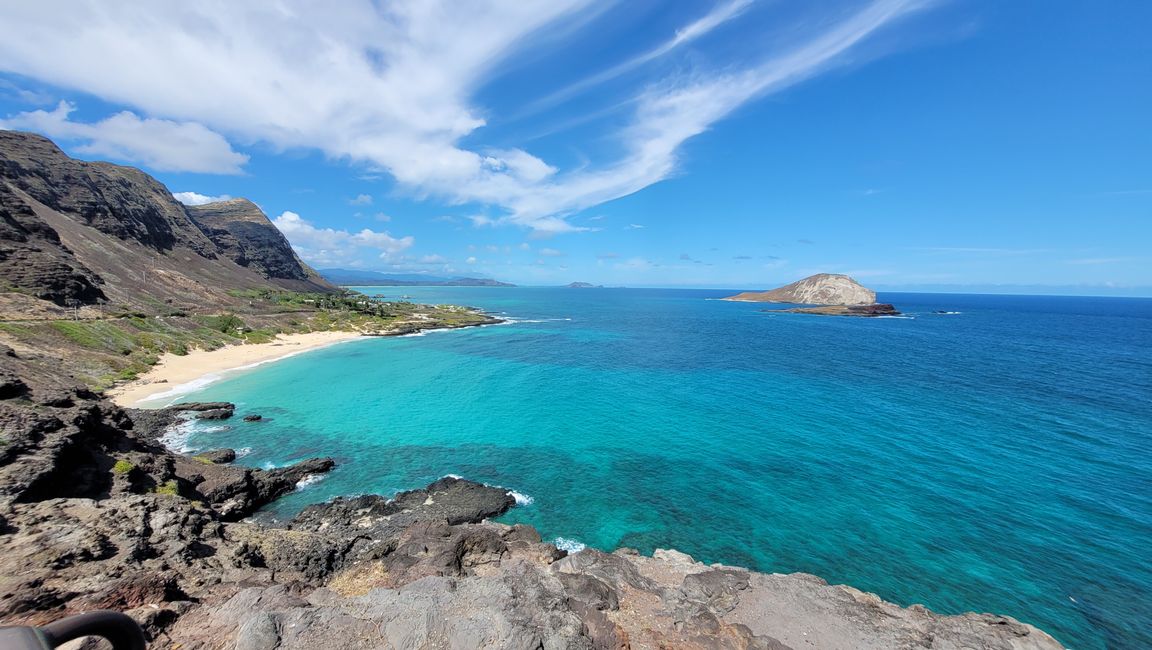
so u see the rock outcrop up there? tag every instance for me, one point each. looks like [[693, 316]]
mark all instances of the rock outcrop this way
[[819, 289], [863, 311]]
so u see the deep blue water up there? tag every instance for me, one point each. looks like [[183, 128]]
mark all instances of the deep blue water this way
[[998, 459]]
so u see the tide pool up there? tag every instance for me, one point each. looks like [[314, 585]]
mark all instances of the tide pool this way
[[995, 459]]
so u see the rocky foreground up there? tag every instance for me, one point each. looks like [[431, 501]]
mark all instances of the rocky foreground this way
[[95, 513]]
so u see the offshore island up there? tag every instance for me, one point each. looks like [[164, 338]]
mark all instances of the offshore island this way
[[106, 275], [831, 294]]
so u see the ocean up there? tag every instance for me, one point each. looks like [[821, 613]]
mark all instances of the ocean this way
[[994, 458]]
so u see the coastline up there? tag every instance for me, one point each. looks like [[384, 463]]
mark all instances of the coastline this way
[[174, 371]]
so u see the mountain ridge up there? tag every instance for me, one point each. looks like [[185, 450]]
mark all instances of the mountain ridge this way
[[88, 233]]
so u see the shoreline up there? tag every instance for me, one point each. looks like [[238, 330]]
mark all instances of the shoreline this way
[[174, 373]]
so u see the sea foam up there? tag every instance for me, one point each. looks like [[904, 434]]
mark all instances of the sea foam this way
[[568, 544]]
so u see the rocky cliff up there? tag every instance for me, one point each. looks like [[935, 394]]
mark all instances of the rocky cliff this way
[[76, 232], [819, 289], [243, 233]]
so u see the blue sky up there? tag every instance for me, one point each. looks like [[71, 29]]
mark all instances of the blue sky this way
[[914, 144]]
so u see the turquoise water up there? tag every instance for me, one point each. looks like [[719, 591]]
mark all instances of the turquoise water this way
[[998, 459]]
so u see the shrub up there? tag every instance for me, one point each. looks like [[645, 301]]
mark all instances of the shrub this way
[[169, 487], [122, 467]]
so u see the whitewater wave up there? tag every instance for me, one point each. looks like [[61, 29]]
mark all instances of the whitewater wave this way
[[177, 437], [569, 544], [309, 480], [185, 388], [243, 451]]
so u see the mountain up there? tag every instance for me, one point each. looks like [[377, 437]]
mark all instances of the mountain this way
[[81, 233], [584, 285], [244, 234], [352, 278], [819, 289]]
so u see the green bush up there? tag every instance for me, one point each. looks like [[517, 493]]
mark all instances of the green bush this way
[[122, 467], [169, 487]]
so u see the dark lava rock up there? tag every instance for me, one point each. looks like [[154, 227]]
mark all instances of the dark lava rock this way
[[237, 492], [217, 456], [214, 414], [151, 424], [253, 418], [450, 500], [878, 309], [202, 406], [11, 385]]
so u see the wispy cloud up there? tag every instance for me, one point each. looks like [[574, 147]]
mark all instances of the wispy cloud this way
[[719, 15], [386, 86], [361, 199]]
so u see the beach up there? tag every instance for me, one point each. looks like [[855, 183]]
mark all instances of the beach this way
[[174, 371]]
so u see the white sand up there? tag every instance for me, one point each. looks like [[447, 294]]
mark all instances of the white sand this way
[[177, 374]]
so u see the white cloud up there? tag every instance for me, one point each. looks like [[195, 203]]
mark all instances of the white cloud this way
[[195, 198], [361, 199], [471, 260], [380, 216], [433, 259], [551, 252], [719, 15], [387, 85], [633, 226], [164, 145], [327, 245]]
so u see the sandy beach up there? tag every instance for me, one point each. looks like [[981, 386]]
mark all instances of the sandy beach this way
[[174, 372]]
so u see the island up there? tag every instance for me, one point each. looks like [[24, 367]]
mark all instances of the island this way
[[830, 294], [584, 285]]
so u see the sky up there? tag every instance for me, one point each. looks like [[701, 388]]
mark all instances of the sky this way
[[913, 144]]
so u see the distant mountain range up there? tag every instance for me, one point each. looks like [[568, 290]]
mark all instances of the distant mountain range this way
[[349, 277]]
